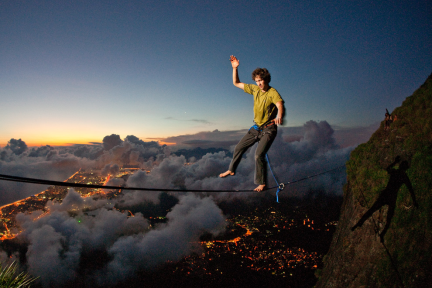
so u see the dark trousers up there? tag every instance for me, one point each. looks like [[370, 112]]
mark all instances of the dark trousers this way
[[265, 139]]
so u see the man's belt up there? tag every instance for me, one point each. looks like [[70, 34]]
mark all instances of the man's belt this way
[[265, 125], [268, 125]]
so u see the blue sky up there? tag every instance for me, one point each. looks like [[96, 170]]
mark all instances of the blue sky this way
[[74, 72]]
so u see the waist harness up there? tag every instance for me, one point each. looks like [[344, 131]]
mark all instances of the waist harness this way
[[265, 125]]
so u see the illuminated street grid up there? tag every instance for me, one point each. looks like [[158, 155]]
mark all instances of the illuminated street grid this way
[[8, 226]]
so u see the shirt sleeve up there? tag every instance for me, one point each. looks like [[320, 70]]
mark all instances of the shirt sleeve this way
[[248, 88], [276, 97]]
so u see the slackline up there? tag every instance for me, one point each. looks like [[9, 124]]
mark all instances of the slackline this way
[[79, 185]]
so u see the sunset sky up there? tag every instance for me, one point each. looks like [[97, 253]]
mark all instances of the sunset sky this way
[[76, 71]]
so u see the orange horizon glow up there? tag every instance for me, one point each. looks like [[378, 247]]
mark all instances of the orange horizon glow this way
[[71, 143], [166, 143], [53, 143]]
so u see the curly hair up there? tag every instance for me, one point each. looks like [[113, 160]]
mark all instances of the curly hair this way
[[263, 73]]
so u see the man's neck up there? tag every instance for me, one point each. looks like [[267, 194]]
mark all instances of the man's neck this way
[[265, 89]]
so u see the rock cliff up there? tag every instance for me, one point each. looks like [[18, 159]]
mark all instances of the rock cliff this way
[[383, 238]]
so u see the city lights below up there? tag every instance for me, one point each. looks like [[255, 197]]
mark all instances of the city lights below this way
[[260, 240], [10, 229]]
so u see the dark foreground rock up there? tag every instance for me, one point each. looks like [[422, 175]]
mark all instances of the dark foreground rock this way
[[364, 253]]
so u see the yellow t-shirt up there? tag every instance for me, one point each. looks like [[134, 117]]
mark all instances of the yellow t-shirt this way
[[264, 103]]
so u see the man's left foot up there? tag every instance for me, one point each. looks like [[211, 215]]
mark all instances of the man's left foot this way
[[260, 188]]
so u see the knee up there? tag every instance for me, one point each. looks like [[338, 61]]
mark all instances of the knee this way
[[259, 157]]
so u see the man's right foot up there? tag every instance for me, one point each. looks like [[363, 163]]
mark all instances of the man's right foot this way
[[260, 188], [225, 174]]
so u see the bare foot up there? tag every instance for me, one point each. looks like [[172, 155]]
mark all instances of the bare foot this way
[[227, 173], [260, 188]]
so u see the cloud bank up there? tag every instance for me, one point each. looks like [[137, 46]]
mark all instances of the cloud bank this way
[[59, 163], [297, 152], [58, 244], [291, 158], [103, 246]]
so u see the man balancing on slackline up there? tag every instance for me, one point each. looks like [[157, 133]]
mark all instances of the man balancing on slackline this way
[[268, 112]]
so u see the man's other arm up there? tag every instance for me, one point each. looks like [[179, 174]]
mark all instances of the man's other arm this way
[[280, 107]]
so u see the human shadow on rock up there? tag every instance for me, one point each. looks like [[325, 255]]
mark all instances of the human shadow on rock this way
[[388, 196]]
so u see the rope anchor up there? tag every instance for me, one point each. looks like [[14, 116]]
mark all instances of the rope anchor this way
[[281, 186]]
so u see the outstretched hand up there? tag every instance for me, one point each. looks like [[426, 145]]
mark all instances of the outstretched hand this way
[[234, 61]]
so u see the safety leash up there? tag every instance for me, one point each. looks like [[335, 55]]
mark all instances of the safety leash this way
[[280, 186]]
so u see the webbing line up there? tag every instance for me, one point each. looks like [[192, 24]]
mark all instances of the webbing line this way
[[67, 184], [305, 178]]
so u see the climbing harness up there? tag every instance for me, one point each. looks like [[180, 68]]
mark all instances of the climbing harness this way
[[265, 125]]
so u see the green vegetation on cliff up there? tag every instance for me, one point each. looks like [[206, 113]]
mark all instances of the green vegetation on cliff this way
[[409, 238], [404, 259]]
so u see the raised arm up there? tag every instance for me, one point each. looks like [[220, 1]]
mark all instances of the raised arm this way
[[236, 81]]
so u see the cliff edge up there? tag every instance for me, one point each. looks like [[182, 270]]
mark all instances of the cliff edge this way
[[384, 234]]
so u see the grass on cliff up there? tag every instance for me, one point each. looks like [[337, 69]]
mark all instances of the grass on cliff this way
[[10, 279]]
